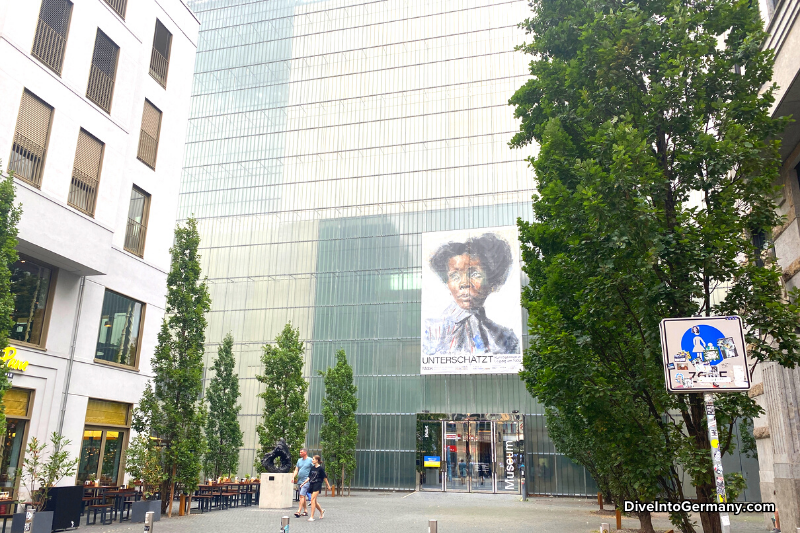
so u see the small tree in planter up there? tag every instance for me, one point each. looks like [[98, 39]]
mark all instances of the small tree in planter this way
[[40, 474], [144, 464]]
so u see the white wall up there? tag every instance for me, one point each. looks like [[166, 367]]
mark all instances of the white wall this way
[[80, 245]]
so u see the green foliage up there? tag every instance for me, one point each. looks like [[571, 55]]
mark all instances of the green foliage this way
[[223, 434], [172, 409], [9, 218], [40, 473], [656, 167], [285, 407], [339, 431], [734, 485], [144, 463]]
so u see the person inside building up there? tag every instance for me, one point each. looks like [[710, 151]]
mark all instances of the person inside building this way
[[472, 270]]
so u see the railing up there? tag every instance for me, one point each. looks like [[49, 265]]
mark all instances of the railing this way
[[27, 160], [148, 149], [82, 192], [48, 46], [158, 67], [101, 87], [134, 237], [118, 6]]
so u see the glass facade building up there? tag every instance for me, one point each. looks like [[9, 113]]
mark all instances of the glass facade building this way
[[325, 138]]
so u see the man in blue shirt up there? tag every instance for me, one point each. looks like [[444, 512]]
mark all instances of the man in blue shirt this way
[[301, 472]]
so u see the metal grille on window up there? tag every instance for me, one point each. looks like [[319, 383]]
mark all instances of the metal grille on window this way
[[159, 58], [137, 221], [86, 173], [30, 139], [103, 71], [118, 6], [148, 139], [51, 33]]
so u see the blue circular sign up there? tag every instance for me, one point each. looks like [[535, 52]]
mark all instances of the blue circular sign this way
[[701, 343]]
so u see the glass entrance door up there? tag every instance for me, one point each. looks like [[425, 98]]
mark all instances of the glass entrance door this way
[[510, 453], [469, 447], [482, 456], [456, 440]]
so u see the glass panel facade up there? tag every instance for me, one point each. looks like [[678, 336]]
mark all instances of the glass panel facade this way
[[12, 448], [30, 287], [90, 455], [111, 457], [118, 338], [324, 139], [101, 453]]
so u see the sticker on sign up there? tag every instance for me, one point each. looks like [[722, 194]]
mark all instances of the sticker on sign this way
[[704, 354]]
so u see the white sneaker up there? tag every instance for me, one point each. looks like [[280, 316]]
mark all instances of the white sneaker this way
[[310, 519]]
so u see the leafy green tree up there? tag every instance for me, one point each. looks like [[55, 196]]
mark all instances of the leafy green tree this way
[[223, 434], [144, 463], [9, 218], [655, 189], [172, 409], [285, 406], [339, 431]]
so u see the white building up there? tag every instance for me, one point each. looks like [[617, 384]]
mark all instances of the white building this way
[[776, 388], [95, 100]]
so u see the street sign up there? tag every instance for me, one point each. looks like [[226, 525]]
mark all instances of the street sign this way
[[704, 354]]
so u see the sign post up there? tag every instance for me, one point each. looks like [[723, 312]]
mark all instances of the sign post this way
[[708, 355]]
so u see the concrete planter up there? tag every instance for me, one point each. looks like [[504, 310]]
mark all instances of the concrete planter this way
[[42, 522], [139, 509]]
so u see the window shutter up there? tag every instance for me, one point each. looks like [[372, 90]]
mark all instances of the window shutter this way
[[148, 138], [103, 71], [118, 6], [51, 33], [159, 57], [86, 173], [30, 139]]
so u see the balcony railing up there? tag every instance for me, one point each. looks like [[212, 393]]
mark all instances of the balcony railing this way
[[101, 87], [83, 192], [148, 149], [134, 237], [159, 66], [48, 46], [27, 160]]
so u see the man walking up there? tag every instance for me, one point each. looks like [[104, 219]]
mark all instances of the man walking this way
[[301, 473]]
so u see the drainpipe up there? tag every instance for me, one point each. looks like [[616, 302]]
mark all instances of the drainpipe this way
[[68, 377]]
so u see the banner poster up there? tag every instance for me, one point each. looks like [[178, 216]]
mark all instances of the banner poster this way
[[704, 354], [471, 312]]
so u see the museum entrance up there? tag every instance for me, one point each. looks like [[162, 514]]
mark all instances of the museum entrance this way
[[470, 453]]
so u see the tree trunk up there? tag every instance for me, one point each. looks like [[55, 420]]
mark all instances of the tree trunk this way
[[171, 490], [709, 521], [645, 522]]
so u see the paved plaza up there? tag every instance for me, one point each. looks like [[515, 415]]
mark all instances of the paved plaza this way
[[399, 512]]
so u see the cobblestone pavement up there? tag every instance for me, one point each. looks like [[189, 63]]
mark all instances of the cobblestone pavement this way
[[399, 512]]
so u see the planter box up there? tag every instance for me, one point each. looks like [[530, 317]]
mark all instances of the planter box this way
[[42, 522], [65, 502], [139, 509]]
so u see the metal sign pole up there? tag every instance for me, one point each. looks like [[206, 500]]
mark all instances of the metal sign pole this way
[[716, 459]]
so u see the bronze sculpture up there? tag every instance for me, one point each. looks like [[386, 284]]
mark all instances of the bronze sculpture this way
[[281, 452]]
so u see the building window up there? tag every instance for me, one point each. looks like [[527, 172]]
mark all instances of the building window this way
[[103, 71], [17, 404], [51, 33], [136, 231], [118, 6], [30, 139], [86, 173], [103, 442], [30, 286], [159, 57], [120, 325], [148, 138]]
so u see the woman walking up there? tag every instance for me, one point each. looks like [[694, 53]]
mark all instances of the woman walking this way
[[315, 479]]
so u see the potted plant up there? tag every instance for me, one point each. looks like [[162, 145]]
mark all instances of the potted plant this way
[[143, 464], [40, 473]]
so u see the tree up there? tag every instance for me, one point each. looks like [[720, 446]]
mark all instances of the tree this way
[[172, 409], [144, 463], [285, 406], [9, 218], [655, 181], [223, 434], [40, 474], [339, 431]]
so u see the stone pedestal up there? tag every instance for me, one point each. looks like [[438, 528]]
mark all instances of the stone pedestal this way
[[276, 491]]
